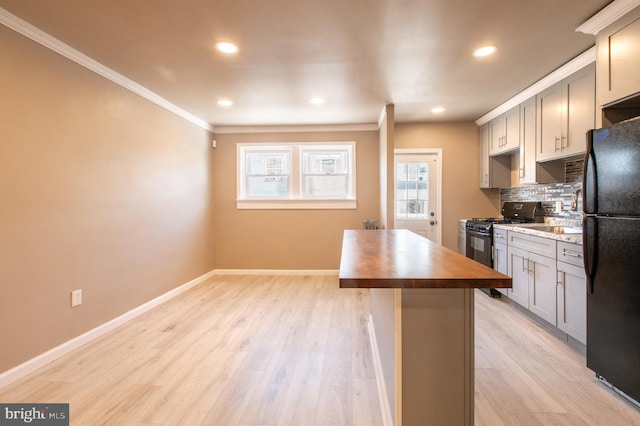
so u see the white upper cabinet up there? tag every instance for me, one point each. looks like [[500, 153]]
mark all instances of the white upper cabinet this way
[[565, 112], [494, 171], [505, 132], [618, 59], [527, 166]]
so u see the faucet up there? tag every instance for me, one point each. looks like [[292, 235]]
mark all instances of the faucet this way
[[574, 203]]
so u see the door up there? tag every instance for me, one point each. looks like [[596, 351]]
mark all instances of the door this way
[[417, 188]]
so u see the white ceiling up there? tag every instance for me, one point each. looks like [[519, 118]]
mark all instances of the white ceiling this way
[[357, 54]]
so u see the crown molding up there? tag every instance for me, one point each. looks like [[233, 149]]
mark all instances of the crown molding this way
[[297, 129], [26, 29], [585, 58], [607, 16]]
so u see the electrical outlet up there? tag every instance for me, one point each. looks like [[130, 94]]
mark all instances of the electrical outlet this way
[[76, 298]]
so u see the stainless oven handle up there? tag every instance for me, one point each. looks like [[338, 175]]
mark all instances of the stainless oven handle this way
[[478, 234]]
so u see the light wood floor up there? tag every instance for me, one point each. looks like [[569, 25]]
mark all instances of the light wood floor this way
[[294, 350]]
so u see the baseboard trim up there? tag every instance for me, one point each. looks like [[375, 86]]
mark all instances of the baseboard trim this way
[[276, 272], [377, 365], [45, 358]]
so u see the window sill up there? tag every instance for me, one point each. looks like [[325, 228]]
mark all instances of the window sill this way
[[296, 204]]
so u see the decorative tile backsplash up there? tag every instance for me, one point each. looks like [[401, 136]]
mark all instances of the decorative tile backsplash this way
[[573, 171], [552, 196]]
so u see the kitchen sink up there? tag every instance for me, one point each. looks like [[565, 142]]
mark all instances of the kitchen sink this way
[[556, 229]]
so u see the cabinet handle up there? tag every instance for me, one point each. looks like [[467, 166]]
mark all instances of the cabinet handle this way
[[498, 236], [568, 253], [555, 144], [563, 145]]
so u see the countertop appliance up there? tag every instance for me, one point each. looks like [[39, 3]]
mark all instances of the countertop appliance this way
[[611, 244], [479, 231]]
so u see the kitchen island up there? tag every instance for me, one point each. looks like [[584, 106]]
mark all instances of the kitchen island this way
[[422, 325]]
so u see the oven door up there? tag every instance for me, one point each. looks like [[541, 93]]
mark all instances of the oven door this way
[[479, 247]]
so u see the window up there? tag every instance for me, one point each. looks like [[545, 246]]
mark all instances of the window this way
[[305, 175], [412, 190]]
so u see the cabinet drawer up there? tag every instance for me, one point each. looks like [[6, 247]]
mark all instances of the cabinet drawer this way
[[499, 235], [570, 253], [540, 245]]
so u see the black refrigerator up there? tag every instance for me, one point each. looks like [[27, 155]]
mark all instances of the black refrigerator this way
[[611, 242]]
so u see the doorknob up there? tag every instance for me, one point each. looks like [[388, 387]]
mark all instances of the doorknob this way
[[432, 222]]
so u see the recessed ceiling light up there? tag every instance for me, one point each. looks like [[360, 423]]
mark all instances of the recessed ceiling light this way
[[227, 47], [437, 110], [317, 101], [225, 102], [484, 51]]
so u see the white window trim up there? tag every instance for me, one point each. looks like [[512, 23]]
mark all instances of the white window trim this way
[[296, 203]]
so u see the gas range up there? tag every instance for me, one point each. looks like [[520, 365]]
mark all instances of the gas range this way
[[486, 224], [479, 231], [512, 212]]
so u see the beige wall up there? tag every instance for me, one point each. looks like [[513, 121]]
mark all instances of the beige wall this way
[[461, 197], [101, 190], [289, 239]]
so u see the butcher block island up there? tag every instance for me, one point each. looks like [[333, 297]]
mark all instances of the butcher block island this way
[[422, 325]]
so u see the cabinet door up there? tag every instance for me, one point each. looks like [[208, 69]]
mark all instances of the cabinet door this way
[[519, 272], [527, 168], [618, 61], [542, 287], [572, 301], [579, 106], [498, 133], [549, 108], [500, 263], [512, 129], [484, 156]]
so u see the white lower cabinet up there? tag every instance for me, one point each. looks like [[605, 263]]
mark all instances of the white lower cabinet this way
[[519, 274], [548, 279], [500, 255], [542, 287], [572, 291], [533, 282]]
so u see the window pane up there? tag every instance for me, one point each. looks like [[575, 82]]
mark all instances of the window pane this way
[[268, 187], [267, 163], [326, 186], [322, 162]]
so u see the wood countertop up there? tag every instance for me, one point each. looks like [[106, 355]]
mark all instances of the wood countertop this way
[[399, 258]]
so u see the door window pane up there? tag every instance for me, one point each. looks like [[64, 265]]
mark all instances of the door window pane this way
[[412, 195]]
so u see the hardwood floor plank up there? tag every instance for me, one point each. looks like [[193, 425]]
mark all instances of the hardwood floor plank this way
[[335, 403], [301, 401]]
